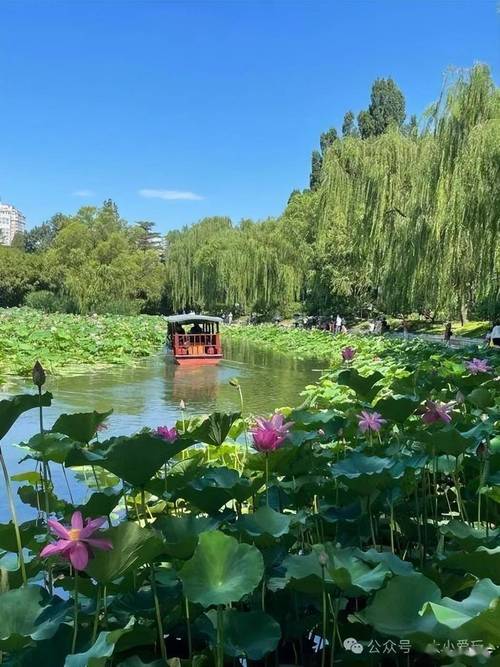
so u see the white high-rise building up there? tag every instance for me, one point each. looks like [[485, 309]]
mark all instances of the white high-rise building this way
[[11, 222]]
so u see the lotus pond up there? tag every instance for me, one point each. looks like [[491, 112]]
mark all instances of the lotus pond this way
[[360, 528]]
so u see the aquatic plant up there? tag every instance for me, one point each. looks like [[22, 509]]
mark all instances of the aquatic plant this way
[[325, 545]]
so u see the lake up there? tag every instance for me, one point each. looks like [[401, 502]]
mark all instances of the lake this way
[[149, 393]]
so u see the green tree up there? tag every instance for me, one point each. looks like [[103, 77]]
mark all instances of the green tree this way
[[326, 139], [349, 125], [387, 107], [316, 165]]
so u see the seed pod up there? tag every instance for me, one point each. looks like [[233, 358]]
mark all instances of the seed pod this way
[[38, 375], [234, 382]]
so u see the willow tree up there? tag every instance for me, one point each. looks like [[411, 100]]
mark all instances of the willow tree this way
[[414, 218]]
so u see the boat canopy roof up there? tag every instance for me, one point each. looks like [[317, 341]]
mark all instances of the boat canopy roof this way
[[190, 318]]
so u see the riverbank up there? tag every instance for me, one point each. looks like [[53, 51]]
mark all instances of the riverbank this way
[[68, 344]]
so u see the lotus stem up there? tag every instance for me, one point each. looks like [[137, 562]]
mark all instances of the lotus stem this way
[[267, 479], [67, 483], [14, 518], [96, 617], [188, 628], [323, 611], [391, 524], [163, 648], [220, 636], [75, 618]]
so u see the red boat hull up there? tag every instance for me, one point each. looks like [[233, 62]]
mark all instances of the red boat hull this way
[[190, 360]]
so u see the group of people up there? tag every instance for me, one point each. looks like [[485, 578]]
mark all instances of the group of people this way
[[379, 326], [337, 325]]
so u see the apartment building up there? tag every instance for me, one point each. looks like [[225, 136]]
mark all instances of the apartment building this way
[[11, 222]]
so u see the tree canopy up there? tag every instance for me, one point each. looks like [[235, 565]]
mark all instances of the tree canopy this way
[[399, 217]]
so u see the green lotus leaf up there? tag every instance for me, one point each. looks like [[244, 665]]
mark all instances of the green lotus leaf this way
[[34, 498], [28, 531], [12, 408], [478, 616], [216, 487], [391, 561], [46, 653], [135, 661], [181, 533], [98, 655], [363, 386], [397, 408], [132, 546], [25, 614], [265, 521], [349, 513], [395, 609], [51, 446], [363, 473], [80, 426], [468, 536], [250, 635], [448, 440], [221, 570], [350, 573], [215, 428], [343, 569], [481, 398], [483, 563], [135, 459], [101, 503]]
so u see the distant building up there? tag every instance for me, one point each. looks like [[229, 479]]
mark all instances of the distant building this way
[[11, 222]]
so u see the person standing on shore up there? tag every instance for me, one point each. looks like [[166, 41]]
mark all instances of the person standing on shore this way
[[338, 324], [448, 333]]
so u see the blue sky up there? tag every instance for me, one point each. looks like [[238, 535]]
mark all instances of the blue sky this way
[[217, 102]]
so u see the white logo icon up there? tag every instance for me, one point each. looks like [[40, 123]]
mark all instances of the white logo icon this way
[[351, 644]]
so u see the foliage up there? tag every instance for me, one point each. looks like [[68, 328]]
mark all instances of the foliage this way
[[388, 536], [64, 342]]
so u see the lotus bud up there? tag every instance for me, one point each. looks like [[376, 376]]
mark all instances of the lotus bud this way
[[460, 398], [38, 375], [323, 559], [321, 433], [234, 382], [182, 405]]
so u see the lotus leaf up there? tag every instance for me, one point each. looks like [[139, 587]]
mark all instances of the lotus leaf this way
[[221, 571], [132, 546], [80, 426], [12, 408], [250, 635]]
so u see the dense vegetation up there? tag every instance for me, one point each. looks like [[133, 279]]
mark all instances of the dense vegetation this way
[[370, 514], [68, 343], [400, 217]]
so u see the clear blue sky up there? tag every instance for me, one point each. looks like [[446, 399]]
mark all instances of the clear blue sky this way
[[226, 100]]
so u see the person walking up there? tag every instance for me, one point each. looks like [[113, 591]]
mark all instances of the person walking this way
[[448, 333]]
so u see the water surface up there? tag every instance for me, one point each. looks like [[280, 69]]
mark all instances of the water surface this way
[[149, 393]]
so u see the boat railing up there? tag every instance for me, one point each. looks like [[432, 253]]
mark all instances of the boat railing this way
[[198, 344]]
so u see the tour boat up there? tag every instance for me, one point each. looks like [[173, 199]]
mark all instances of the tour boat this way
[[195, 339]]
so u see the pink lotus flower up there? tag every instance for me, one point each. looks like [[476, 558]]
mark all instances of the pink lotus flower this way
[[269, 434], [76, 542], [165, 433], [370, 421], [435, 412], [478, 366], [348, 353]]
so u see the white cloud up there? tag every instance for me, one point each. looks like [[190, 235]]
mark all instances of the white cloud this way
[[170, 194], [83, 193]]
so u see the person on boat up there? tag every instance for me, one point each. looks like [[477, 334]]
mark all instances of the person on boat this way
[[196, 329]]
